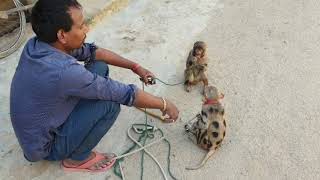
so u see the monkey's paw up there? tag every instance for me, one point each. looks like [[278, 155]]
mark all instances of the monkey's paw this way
[[188, 88]]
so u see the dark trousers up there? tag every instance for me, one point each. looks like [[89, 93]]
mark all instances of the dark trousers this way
[[89, 121]]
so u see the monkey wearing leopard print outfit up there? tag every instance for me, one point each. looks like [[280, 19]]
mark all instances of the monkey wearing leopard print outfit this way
[[209, 128]]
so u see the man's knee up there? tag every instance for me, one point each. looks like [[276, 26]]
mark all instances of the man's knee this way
[[113, 109], [99, 67]]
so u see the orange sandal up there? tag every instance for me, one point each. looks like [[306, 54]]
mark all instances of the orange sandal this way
[[85, 166]]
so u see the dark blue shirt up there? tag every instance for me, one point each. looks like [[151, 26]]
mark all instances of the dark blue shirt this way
[[46, 87]]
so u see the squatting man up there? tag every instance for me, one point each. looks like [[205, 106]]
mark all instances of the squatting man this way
[[61, 109]]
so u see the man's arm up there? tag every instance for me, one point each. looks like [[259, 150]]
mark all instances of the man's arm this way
[[77, 81], [89, 52], [113, 59], [142, 99], [116, 60]]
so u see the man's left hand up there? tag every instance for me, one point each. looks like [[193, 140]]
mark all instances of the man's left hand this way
[[144, 74]]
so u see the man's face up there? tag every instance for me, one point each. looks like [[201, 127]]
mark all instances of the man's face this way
[[77, 35]]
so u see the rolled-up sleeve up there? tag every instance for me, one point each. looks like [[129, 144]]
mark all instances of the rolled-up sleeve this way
[[78, 81], [86, 53]]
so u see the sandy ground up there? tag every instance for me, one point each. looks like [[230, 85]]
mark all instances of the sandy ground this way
[[263, 57]]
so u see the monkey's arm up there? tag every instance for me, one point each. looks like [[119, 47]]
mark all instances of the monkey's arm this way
[[188, 75], [204, 60], [189, 59]]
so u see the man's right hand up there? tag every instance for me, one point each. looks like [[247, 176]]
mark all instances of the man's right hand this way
[[171, 112], [146, 100]]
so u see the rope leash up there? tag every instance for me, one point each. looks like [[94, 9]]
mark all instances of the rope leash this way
[[168, 84], [152, 80], [147, 131]]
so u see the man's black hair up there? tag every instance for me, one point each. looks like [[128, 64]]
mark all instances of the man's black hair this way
[[48, 16]]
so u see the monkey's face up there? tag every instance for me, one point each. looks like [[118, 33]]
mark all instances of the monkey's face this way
[[198, 52]]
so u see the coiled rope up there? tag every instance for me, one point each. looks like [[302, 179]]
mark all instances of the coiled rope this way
[[146, 131]]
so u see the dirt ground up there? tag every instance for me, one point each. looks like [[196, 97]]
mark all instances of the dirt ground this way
[[263, 57]]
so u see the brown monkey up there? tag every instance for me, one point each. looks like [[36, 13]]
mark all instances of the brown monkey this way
[[209, 129], [196, 66], [199, 51]]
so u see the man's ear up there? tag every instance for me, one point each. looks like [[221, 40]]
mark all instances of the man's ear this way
[[61, 35]]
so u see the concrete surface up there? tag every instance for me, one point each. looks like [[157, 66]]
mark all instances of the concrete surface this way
[[263, 56]]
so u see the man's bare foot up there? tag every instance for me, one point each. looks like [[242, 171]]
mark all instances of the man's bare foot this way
[[69, 163]]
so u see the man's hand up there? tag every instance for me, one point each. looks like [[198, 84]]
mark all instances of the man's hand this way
[[144, 74], [146, 100], [171, 112]]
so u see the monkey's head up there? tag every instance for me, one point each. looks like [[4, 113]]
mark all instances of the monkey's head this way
[[199, 49], [211, 92]]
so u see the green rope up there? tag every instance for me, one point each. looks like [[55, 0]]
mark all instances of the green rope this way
[[168, 160], [142, 156], [146, 134]]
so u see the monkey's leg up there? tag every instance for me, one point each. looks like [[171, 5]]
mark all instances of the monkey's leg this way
[[205, 84], [192, 138], [188, 79]]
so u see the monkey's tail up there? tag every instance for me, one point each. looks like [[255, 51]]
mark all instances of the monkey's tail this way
[[205, 159]]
